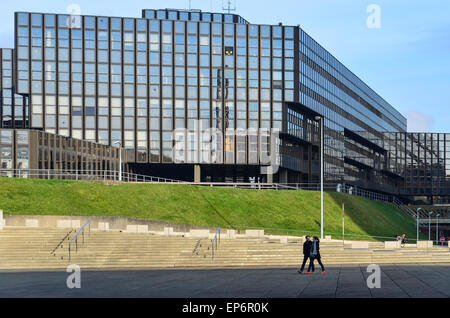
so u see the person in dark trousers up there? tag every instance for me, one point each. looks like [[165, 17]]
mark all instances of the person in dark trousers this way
[[315, 254], [404, 240], [306, 253]]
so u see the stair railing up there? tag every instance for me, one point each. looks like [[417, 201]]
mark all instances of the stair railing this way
[[215, 242], [60, 244], [75, 238]]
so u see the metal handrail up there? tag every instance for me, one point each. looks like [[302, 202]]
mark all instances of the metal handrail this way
[[214, 244], [62, 241], [93, 175], [103, 175], [76, 237], [403, 207]]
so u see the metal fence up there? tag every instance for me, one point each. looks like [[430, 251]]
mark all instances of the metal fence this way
[[330, 187], [422, 212], [83, 175], [111, 175]]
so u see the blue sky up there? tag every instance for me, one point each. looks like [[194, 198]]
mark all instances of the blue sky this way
[[406, 61]]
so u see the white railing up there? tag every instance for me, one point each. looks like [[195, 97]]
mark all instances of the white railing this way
[[111, 175], [404, 208], [82, 175]]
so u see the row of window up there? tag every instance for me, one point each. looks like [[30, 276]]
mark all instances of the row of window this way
[[323, 58], [127, 24]]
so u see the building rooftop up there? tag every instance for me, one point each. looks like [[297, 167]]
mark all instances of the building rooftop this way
[[192, 15]]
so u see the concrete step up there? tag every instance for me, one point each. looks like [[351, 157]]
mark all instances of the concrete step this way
[[217, 261], [194, 264], [30, 249]]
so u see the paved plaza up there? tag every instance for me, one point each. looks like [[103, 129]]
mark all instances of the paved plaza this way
[[338, 282]]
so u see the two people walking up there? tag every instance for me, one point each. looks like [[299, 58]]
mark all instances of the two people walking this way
[[311, 251], [402, 238]]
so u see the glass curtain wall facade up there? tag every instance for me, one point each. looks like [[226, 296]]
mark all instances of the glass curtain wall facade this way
[[24, 152], [136, 80], [13, 107], [427, 165], [348, 105]]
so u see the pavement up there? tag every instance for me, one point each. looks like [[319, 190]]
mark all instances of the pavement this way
[[397, 281]]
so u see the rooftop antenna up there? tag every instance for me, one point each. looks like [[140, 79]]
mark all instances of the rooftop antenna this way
[[189, 4], [230, 6]]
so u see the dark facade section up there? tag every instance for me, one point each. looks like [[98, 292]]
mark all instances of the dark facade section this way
[[31, 152], [14, 108], [427, 165]]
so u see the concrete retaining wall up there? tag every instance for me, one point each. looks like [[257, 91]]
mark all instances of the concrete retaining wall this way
[[136, 228], [254, 233], [103, 223], [168, 231], [68, 224], [199, 233], [282, 239], [133, 225], [231, 234], [425, 244], [361, 244], [392, 244], [103, 226], [113, 223], [31, 223]]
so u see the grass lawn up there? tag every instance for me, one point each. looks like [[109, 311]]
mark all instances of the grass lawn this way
[[206, 206]]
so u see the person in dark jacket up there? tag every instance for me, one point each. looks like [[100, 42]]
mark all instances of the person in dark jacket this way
[[306, 253], [404, 240], [315, 254]]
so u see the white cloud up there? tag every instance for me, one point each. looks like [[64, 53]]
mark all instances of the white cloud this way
[[418, 122]]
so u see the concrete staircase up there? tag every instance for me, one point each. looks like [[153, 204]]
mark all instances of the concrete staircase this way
[[267, 253], [27, 248]]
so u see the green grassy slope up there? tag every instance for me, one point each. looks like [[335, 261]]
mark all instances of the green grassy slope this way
[[205, 206]]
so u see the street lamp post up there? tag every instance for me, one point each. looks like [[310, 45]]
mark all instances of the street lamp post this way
[[437, 229], [429, 225], [417, 221], [120, 159], [320, 119]]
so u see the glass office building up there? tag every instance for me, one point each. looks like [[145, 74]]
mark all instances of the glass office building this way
[[423, 160], [13, 107], [137, 80]]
